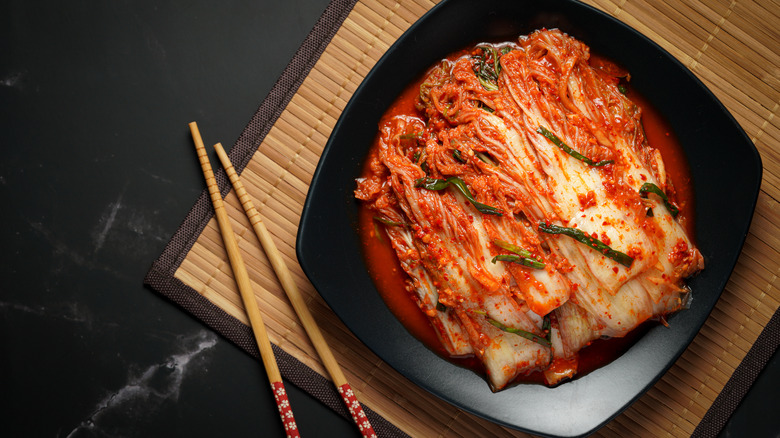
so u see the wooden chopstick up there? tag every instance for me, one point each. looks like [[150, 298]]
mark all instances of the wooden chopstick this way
[[245, 288], [307, 321]]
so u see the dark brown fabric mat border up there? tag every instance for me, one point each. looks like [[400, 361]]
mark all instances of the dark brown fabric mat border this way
[[161, 274], [741, 380]]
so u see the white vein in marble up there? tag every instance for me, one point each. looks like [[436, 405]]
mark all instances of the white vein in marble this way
[[146, 391]]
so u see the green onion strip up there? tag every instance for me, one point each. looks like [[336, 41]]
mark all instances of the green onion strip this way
[[441, 184], [487, 73], [520, 256], [547, 327], [582, 237], [564, 147], [652, 188], [528, 335], [390, 223], [458, 155]]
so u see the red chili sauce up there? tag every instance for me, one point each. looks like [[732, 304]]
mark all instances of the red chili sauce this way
[[390, 279]]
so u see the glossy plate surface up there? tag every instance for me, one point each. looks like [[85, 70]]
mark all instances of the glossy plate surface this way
[[725, 168]]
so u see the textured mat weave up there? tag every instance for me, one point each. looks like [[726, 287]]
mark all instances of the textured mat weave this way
[[731, 46]]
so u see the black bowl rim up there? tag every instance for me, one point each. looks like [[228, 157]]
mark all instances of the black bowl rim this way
[[312, 266]]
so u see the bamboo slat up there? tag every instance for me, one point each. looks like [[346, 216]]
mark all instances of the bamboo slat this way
[[733, 47]]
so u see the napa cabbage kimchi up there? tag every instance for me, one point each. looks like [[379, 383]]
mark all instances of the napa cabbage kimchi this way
[[526, 207]]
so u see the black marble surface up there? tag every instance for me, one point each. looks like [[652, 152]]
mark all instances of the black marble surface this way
[[98, 170]]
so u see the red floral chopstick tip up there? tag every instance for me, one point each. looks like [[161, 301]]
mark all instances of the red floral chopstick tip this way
[[280, 395], [356, 411]]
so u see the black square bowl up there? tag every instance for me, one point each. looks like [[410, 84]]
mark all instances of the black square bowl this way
[[726, 174]]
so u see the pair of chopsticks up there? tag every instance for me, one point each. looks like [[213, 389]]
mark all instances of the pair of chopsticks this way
[[250, 302]]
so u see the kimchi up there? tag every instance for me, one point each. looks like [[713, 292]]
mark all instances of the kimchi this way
[[526, 207]]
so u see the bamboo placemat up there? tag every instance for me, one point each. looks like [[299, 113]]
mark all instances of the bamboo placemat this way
[[731, 46]]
